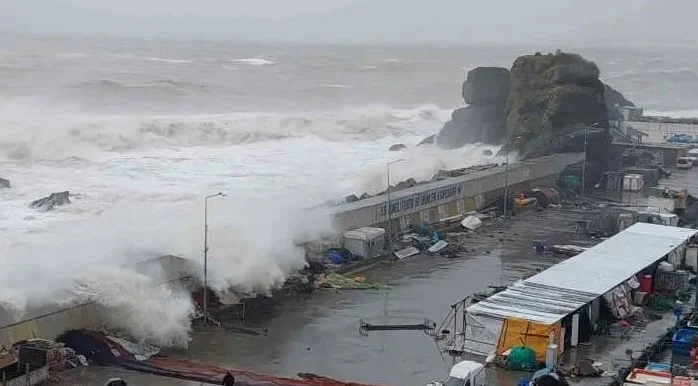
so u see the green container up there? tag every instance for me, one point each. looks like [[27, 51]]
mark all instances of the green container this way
[[570, 181], [521, 359]]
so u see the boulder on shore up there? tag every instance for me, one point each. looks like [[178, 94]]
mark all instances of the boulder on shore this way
[[48, 203], [4, 183], [397, 147], [554, 97], [485, 90]]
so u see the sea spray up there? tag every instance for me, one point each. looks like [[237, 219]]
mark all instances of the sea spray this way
[[128, 301]]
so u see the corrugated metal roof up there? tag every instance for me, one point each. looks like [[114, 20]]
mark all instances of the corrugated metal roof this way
[[563, 288]]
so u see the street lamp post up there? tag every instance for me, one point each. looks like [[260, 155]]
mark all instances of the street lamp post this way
[[506, 177], [584, 160], [506, 183], [584, 164], [205, 300], [390, 225]]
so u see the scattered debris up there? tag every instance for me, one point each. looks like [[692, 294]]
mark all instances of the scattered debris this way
[[407, 252], [471, 222], [438, 246], [427, 325], [567, 250], [336, 281], [48, 203]]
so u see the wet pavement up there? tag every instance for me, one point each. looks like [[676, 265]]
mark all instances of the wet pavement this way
[[97, 376], [319, 333]]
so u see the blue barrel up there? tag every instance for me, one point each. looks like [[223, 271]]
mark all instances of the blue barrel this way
[[335, 257]]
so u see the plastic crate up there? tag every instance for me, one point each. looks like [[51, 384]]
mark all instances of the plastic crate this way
[[681, 342]]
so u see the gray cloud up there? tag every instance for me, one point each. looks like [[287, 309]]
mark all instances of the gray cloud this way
[[458, 21]]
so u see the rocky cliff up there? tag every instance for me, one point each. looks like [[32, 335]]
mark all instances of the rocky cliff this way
[[614, 99], [544, 104], [553, 97], [485, 90]]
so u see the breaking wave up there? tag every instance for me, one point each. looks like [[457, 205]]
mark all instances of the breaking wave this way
[[108, 85], [28, 135], [254, 61], [657, 74], [153, 59]]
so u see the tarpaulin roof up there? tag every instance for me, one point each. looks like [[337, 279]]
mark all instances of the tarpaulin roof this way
[[564, 288]]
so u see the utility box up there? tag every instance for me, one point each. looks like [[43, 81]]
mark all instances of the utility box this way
[[366, 243]]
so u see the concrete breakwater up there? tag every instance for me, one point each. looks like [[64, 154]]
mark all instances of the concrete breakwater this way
[[421, 204], [438, 200]]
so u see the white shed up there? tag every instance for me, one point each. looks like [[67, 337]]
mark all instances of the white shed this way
[[366, 243]]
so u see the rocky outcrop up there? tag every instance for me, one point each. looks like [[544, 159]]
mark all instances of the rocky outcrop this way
[[427, 141], [614, 99], [397, 147], [4, 183], [48, 203], [554, 98], [485, 90]]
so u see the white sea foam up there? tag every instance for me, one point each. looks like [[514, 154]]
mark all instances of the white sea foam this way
[[254, 61], [64, 134], [153, 59], [138, 183]]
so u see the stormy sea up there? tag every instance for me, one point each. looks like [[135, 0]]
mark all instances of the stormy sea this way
[[140, 131]]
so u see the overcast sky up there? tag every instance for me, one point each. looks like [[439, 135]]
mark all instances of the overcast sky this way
[[411, 21]]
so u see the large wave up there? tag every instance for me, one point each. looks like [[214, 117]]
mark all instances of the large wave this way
[[31, 134]]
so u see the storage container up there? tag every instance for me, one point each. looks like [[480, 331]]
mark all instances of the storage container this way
[[633, 182], [681, 341], [646, 284], [366, 243]]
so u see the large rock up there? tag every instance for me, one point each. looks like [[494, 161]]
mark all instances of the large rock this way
[[397, 147], [485, 90], [486, 86], [473, 124], [48, 203], [614, 100], [552, 97], [4, 183]]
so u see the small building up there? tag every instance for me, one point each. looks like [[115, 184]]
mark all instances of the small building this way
[[563, 297], [665, 153], [631, 113]]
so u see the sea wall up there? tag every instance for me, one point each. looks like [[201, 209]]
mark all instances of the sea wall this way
[[435, 201], [49, 322]]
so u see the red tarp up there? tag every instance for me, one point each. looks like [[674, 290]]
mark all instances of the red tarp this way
[[95, 346]]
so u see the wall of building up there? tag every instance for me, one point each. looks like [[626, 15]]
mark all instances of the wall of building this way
[[438, 200], [667, 153], [660, 131]]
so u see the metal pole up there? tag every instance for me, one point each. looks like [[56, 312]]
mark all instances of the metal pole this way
[[506, 183], [390, 225], [205, 294], [584, 164], [205, 305]]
